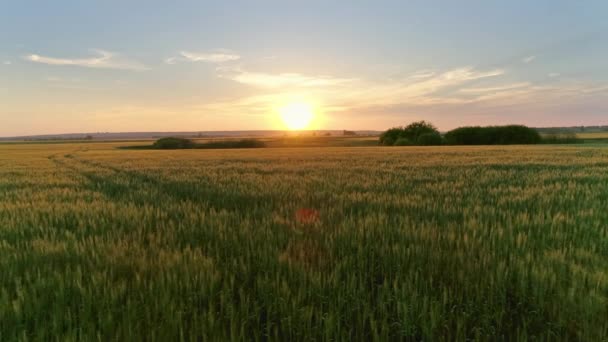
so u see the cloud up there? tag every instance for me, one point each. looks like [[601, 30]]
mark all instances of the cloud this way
[[414, 90], [103, 60], [495, 89], [423, 74], [528, 59], [346, 94], [447, 95], [7, 63], [554, 74], [425, 91], [594, 89], [280, 80], [220, 56]]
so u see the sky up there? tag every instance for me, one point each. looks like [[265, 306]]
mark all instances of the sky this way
[[118, 66]]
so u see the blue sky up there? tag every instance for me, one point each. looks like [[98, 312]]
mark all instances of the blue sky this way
[[89, 66]]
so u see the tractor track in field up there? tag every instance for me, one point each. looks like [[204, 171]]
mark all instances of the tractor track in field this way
[[209, 196]]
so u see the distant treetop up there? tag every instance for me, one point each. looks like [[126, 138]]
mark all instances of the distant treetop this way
[[411, 134], [423, 133]]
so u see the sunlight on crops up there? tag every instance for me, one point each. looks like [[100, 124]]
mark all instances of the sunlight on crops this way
[[592, 135], [364, 243]]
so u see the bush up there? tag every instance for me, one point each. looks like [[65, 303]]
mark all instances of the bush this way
[[411, 132], [403, 142], [429, 139], [387, 141], [414, 130], [391, 135], [172, 143], [493, 135]]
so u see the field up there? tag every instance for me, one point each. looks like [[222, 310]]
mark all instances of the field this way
[[593, 136], [438, 243]]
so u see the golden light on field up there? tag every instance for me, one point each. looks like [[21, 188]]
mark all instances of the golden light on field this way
[[297, 115]]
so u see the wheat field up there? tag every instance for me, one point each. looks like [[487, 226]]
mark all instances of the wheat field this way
[[336, 243]]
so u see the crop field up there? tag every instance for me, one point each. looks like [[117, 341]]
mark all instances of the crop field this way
[[336, 243], [603, 136]]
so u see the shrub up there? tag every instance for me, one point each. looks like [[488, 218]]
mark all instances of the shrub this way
[[493, 135], [429, 139], [410, 132], [466, 136], [391, 135], [414, 130], [387, 141], [243, 143], [403, 142], [172, 143]]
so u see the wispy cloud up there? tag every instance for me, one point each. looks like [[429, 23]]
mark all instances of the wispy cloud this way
[[347, 94], [423, 74], [528, 59], [7, 62], [495, 89], [279, 80], [103, 60], [595, 89], [415, 90], [424, 91], [219, 56]]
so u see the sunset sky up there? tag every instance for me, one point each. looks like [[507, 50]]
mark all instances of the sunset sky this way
[[97, 66]]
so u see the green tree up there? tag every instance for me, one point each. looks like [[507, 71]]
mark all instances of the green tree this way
[[493, 135], [172, 143], [429, 139], [418, 128], [388, 137], [410, 132]]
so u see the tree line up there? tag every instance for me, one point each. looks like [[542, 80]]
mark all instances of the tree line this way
[[423, 133]]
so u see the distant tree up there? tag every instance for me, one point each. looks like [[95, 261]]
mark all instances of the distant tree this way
[[349, 133], [388, 137], [88, 137], [429, 139], [411, 132], [493, 135], [173, 143], [403, 142], [416, 129], [243, 143]]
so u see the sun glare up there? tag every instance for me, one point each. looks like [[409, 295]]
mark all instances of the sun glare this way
[[297, 116]]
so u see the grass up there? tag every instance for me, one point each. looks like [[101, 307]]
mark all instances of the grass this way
[[437, 243]]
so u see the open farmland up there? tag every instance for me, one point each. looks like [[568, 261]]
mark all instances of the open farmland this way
[[437, 243], [597, 137]]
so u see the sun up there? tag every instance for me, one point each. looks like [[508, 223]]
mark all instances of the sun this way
[[297, 115]]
